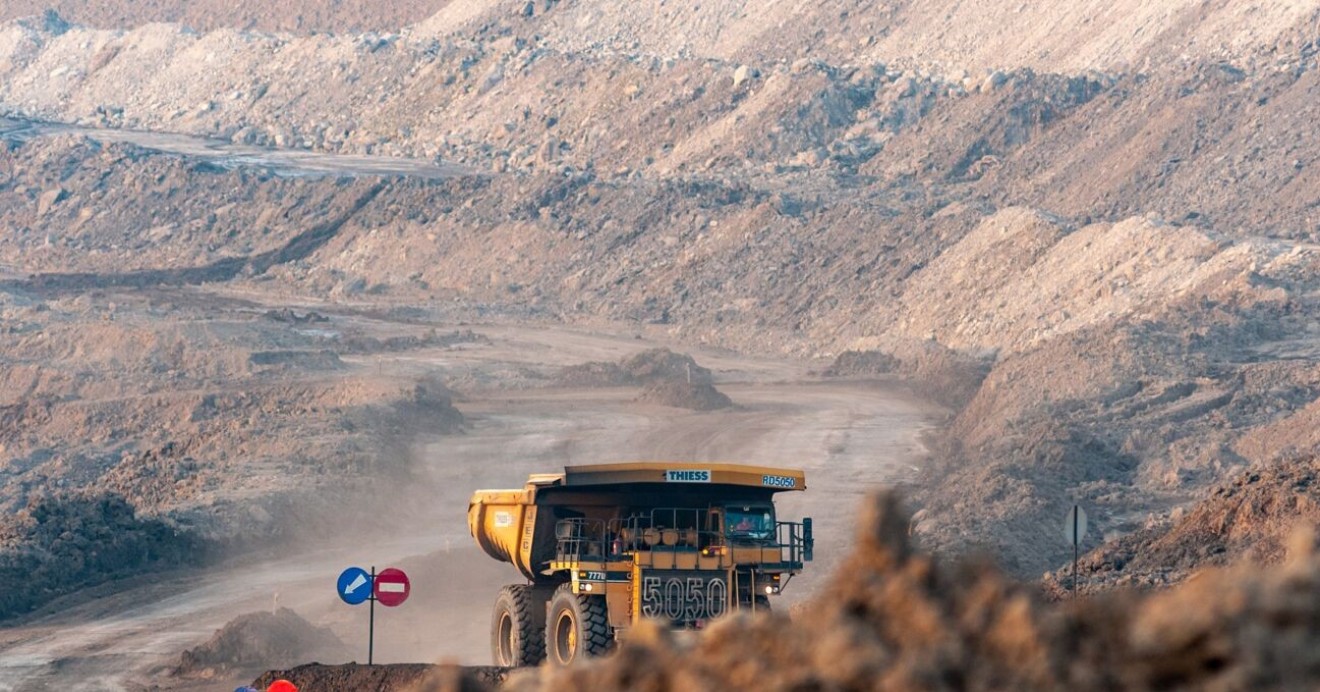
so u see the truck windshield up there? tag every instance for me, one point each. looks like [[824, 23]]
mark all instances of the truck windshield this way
[[751, 522]]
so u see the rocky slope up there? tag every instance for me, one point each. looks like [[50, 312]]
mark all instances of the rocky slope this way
[[1090, 229], [1174, 134], [1251, 517], [945, 34], [158, 430]]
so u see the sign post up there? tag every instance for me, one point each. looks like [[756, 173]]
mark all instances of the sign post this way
[[356, 585], [1074, 527], [371, 617]]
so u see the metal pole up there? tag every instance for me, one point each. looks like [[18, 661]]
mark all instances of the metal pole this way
[[1076, 516], [371, 619]]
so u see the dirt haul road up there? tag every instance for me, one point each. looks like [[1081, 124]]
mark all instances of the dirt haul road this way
[[230, 156], [848, 436]]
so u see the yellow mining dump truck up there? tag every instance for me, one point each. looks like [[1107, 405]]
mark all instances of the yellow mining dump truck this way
[[604, 546]]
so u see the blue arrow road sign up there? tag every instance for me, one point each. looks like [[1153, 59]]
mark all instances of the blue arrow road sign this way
[[354, 585]]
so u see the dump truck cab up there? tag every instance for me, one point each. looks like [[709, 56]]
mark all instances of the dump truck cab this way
[[604, 546]]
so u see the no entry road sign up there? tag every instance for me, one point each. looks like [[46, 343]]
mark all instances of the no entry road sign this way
[[354, 586], [392, 587]]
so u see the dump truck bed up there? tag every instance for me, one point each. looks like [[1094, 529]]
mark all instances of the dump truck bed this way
[[510, 527]]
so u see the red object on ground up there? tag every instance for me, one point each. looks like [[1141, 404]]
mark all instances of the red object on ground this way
[[392, 587], [282, 686]]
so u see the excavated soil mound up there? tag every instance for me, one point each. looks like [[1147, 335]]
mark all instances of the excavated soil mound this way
[[260, 640], [386, 678], [1250, 517], [679, 394], [861, 364], [653, 365], [895, 619], [659, 364], [595, 374], [431, 407], [59, 544], [938, 372]]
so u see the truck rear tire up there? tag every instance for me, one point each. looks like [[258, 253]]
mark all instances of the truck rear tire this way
[[517, 628], [578, 627]]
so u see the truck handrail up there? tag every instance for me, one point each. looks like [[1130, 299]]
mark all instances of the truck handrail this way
[[795, 538], [579, 538]]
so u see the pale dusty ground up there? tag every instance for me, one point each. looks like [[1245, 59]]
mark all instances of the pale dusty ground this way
[[1124, 236], [850, 437]]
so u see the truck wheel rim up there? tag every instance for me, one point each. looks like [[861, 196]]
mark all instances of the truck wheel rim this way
[[566, 637], [506, 639]]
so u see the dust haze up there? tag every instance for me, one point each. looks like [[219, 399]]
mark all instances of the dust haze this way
[[280, 289]]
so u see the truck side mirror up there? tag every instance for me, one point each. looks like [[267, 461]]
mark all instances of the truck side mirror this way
[[808, 543]]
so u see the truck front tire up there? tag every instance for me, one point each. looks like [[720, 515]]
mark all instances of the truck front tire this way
[[578, 626], [517, 628]]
